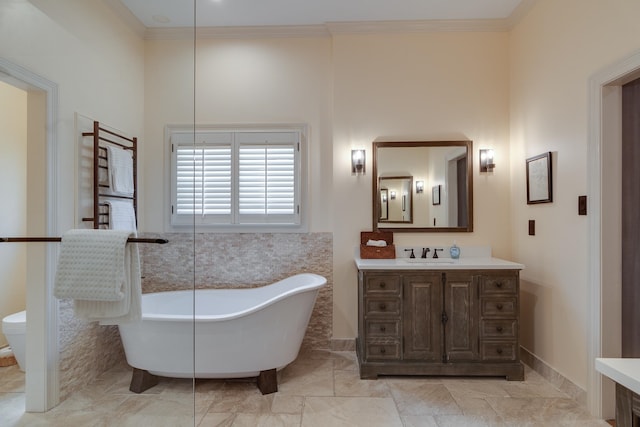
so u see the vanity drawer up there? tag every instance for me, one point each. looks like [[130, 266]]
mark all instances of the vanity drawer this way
[[382, 328], [382, 351], [498, 285], [382, 307], [499, 350], [499, 328], [387, 284], [498, 307]]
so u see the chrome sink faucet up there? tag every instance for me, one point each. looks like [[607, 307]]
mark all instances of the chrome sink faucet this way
[[435, 252], [425, 251]]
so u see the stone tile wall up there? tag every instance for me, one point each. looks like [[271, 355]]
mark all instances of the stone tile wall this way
[[221, 260]]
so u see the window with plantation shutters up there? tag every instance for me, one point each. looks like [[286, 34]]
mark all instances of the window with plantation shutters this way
[[236, 179]]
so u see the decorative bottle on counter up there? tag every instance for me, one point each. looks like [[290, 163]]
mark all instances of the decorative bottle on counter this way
[[454, 251]]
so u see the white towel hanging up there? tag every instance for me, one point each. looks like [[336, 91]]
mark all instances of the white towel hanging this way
[[101, 273], [120, 164]]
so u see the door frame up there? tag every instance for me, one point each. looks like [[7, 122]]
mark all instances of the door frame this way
[[41, 383], [603, 136]]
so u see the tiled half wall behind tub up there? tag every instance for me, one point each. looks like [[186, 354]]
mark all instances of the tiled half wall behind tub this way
[[221, 260], [240, 261]]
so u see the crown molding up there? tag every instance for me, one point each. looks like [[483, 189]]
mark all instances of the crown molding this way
[[518, 14], [418, 26], [125, 14], [328, 29], [180, 33]]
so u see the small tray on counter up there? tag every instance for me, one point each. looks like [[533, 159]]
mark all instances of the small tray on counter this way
[[377, 252]]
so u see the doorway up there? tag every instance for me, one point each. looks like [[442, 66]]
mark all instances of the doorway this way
[[41, 384], [630, 214], [13, 190], [605, 225]]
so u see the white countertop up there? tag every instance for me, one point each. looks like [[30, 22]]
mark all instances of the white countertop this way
[[624, 371], [476, 259]]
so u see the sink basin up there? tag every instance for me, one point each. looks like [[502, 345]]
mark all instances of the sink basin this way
[[428, 260]]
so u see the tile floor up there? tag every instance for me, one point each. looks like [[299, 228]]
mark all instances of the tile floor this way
[[319, 389]]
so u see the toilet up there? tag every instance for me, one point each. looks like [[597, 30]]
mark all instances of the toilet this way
[[14, 327]]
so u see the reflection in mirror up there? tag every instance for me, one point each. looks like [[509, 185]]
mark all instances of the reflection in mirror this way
[[384, 204], [445, 165], [399, 205]]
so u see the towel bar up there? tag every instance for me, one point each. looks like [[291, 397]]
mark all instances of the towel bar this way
[[59, 239]]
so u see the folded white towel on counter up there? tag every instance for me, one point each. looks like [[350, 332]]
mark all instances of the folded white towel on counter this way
[[120, 164], [379, 243], [100, 271], [122, 216]]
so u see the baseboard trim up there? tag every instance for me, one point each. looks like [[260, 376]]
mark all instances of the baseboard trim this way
[[554, 377], [538, 365], [343, 344]]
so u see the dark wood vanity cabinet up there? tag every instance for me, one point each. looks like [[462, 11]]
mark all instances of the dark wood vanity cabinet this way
[[426, 322]]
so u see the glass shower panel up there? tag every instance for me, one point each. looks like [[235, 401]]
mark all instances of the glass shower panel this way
[[104, 69]]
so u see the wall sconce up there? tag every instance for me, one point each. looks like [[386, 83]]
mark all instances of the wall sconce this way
[[419, 186], [392, 195], [486, 161], [358, 161]]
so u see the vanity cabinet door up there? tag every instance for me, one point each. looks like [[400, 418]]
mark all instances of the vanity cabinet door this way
[[461, 314], [422, 317]]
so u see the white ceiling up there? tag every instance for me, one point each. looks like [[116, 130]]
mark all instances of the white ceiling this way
[[239, 13]]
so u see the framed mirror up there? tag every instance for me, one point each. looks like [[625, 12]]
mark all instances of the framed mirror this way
[[423, 186]]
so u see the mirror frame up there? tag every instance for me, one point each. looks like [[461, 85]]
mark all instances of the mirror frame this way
[[400, 144]]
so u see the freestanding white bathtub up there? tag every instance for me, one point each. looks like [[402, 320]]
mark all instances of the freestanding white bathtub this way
[[234, 333]]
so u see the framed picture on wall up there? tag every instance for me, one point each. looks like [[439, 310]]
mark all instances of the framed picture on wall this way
[[435, 194], [539, 188]]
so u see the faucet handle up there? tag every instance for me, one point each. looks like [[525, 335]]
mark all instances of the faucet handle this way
[[412, 254], [435, 252]]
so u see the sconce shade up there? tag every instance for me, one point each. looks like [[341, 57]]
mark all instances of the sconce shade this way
[[419, 186], [358, 162], [486, 160], [392, 195]]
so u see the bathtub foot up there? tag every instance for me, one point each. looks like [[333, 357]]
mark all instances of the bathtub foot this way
[[142, 380], [268, 381]]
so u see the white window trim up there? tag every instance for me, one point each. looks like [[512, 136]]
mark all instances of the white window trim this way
[[302, 227]]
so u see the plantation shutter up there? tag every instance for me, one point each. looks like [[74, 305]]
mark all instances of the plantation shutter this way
[[203, 171], [267, 177], [203, 180]]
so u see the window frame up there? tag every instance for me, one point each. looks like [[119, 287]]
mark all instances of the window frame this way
[[189, 222]]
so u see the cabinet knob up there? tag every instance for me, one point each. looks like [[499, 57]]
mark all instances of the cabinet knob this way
[[383, 306], [499, 306], [498, 284], [499, 328], [383, 350], [383, 328], [383, 285], [499, 350]]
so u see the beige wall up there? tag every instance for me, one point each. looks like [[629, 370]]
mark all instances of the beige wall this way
[[429, 86], [13, 193], [95, 59], [554, 51]]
